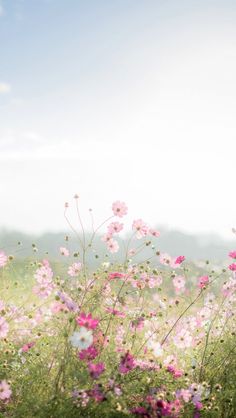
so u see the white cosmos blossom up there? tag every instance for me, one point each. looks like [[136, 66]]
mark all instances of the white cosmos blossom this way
[[82, 339]]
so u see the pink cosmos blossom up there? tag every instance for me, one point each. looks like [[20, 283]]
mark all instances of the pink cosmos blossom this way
[[87, 321], [154, 233], [44, 289], [43, 274], [137, 324], [140, 227], [179, 259], [232, 267], [165, 259], [179, 282], [203, 281], [96, 394], [27, 347], [119, 209], [96, 370], [185, 394], [4, 327], [116, 275], [58, 307], [64, 251], [183, 339], [88, 354], [127, 363], [131, 252], [174, 371], [115, 312], [5, 391], [107, 237], [74, 269], [3, 259], [113, 246], [115, 227], [232, 254]]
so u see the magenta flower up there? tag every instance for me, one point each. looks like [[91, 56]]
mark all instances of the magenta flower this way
[[179, 259], [3, 259], [116, 275], [87, 321], [127, 363], [232, 267], [27, 347], [119, 209], [5, 391], [95, 370], [88, 354], [232, 254], [203, 281]]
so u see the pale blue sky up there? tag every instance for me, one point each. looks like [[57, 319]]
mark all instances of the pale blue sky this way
[[135, 97]]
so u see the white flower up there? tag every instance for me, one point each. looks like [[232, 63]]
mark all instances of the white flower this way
[[82, 339]]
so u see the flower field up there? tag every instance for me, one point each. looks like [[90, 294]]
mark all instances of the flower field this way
[[149, 338]]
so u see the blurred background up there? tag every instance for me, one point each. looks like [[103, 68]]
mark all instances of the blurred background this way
[[126, 99]]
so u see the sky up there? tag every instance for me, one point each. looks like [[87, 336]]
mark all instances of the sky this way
[[127, 100]]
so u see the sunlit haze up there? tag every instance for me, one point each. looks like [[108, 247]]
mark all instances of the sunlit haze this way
[[130, 100]]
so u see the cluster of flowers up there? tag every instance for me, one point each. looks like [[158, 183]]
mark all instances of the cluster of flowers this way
[[119, 327]]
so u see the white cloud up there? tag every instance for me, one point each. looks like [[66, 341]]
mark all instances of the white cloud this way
[[4, 87]]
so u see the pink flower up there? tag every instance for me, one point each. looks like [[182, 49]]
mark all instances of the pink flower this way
[[115, 227], [3, 259], [44, 274], [74, 269], [232, 254], [165, 259], [179, 282], [232, 267], [183, 339], [127, 363], [107, 237], [87, 321], [44, 289], [27, 347], [174, 371], [179, 259], [116, 275], [115, 312], [154, 233], [64, 251], [5, 391], [203, 281], [140, 227], [113, 246], [96, 370], [119, 208], [88, 354], [4, 327]]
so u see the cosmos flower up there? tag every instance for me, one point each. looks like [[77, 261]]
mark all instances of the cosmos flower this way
[[4, 327], [3, 259], [119, 209], [87, 321], [5, 391], [82, 339]]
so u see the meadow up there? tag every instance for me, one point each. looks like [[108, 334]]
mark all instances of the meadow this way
[[149, 338]]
